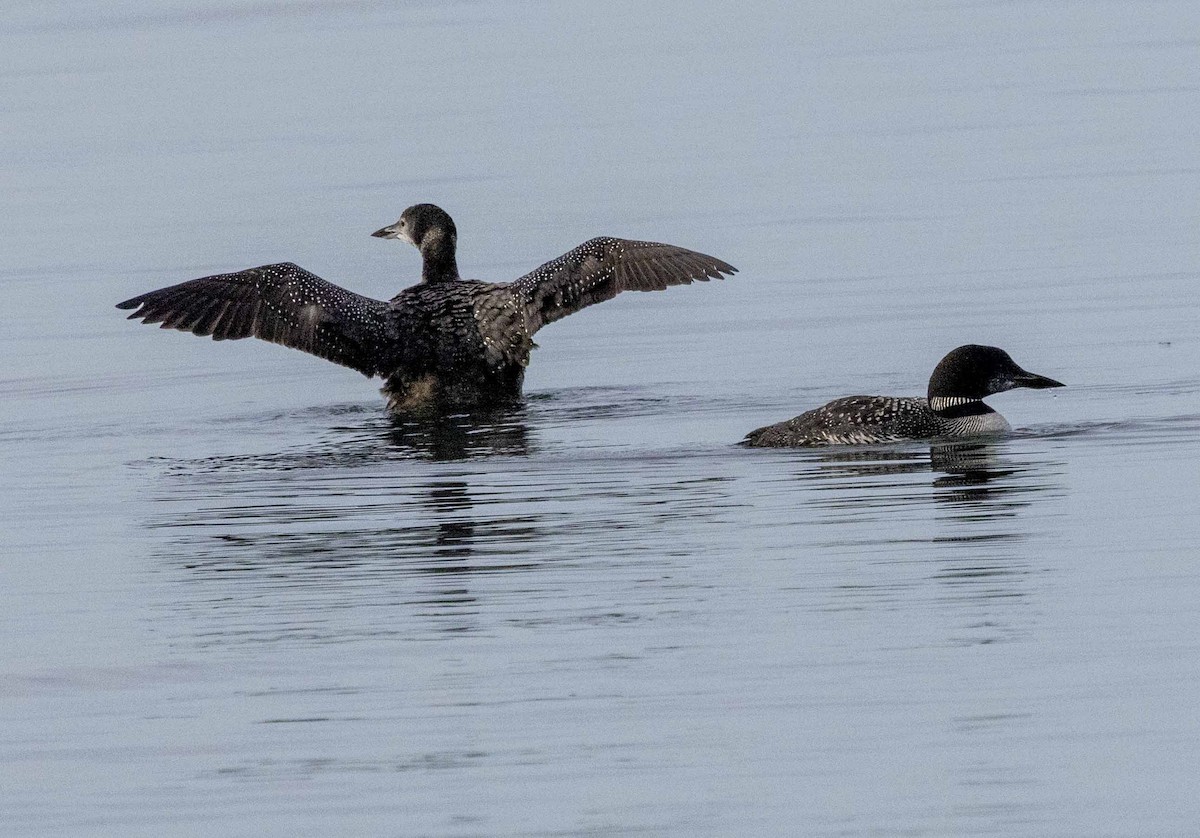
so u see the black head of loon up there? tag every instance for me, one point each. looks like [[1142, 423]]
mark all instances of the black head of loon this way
[[969, 373], [431, 230]]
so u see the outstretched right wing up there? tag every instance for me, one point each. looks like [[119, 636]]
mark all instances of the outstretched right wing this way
[[601, 268], [282, 304]]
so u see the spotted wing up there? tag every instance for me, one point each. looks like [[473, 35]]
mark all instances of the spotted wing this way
[[601, 268], [281, 303]]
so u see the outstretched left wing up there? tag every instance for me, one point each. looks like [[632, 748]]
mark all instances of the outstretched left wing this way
[[603, 267]]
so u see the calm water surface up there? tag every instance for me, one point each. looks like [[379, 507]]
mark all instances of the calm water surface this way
[[237, 599]]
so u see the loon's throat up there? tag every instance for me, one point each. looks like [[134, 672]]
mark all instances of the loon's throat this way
[[954, 407]]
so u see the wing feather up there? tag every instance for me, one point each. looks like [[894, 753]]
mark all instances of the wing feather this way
[[281, 303], [601, 268]]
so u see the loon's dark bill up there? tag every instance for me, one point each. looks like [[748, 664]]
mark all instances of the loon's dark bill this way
[[1035, 382]]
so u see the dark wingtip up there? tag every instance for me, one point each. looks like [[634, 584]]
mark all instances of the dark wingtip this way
[[133, 303]]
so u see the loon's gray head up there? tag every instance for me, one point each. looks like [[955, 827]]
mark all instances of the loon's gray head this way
[[421, 224], [971, 372], [431, 230]]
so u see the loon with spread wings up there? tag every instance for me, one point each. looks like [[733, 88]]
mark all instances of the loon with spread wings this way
[[444, 342]]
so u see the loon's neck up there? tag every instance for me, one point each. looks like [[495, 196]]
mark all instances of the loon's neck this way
[[959, 416], [951, 407], [438, 263]]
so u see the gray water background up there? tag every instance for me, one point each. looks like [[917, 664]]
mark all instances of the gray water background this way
[[236, 599]]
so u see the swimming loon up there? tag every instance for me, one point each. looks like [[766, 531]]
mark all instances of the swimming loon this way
[[444, 342], [954, 407]]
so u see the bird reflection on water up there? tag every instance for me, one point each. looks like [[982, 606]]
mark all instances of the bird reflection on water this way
[[461, 436], [410, 526], [975, 530], [969, 472], [351, 519], [447, 437]]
